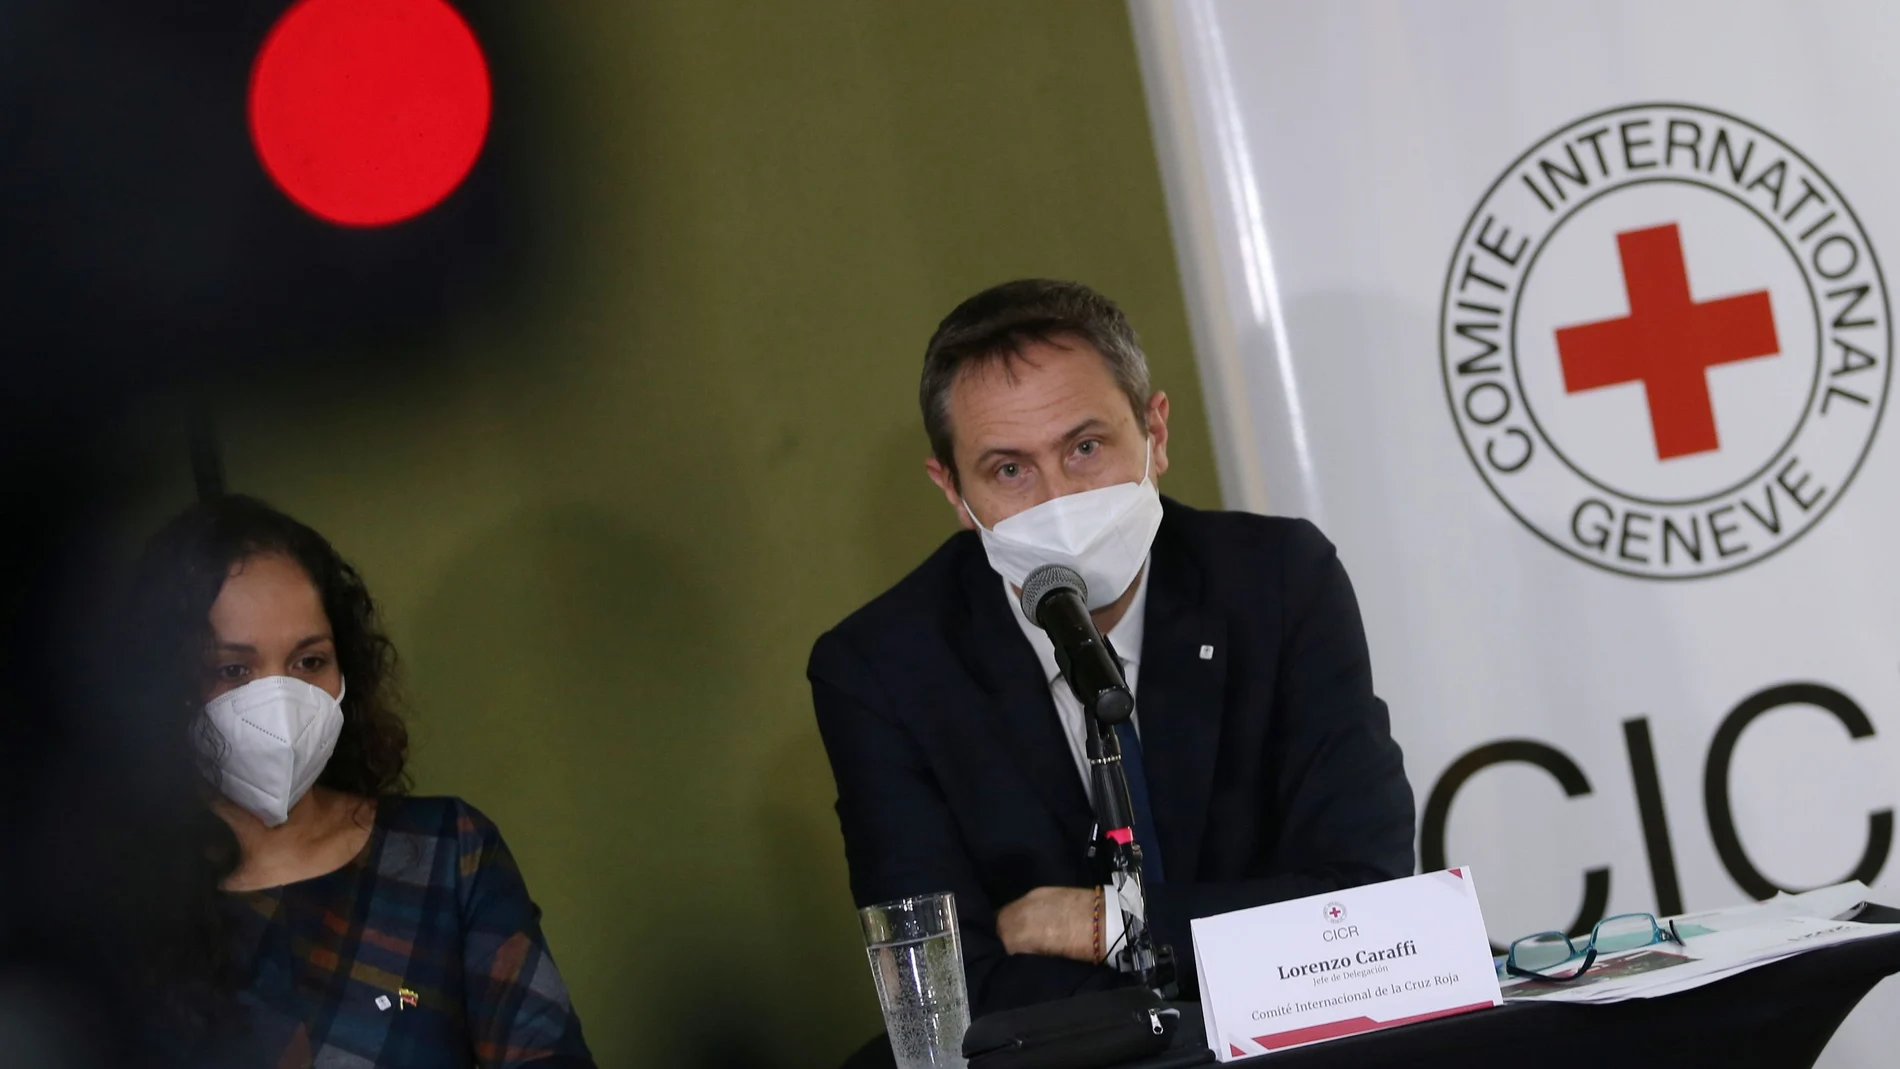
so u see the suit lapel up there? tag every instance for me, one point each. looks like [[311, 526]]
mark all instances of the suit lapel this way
[[1021, 711], [1179, 695]]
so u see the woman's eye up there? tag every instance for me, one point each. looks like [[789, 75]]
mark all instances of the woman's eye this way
[[231, 671], [315, 662]]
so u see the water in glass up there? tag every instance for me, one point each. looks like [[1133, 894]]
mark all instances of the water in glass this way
[[917, 963], [920, 986]]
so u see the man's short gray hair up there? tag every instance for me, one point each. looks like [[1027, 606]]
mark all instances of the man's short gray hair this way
[[998, 323]]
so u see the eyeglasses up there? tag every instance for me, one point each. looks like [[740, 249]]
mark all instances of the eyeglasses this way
[[1544, 955]]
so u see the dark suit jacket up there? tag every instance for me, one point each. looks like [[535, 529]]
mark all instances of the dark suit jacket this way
[[1271, 766]]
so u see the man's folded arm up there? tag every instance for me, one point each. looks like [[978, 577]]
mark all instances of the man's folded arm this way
[[901, 838], [1343, 812]]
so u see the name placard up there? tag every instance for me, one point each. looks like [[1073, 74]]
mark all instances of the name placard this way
[[1343, 963]]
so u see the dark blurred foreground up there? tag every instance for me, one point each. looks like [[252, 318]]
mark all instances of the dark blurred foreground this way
[[144, 255]]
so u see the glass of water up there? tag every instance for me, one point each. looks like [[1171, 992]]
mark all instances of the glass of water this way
[[917, 961]]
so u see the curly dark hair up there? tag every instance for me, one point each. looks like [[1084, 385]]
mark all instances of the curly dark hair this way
[[165, 625], [179, 576]]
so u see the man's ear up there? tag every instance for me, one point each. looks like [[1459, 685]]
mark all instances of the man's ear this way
[[1157, 416], [947, 482]]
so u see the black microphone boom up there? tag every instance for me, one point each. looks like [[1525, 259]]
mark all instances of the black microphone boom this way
[[1056, 598]]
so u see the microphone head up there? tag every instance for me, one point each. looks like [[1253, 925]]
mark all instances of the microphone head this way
[[1047, 580]]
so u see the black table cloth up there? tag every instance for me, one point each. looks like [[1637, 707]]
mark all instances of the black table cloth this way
[[1779, 1015]]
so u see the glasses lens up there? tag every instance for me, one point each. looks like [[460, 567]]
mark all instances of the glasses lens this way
[[1542, 952], [1627, 932]]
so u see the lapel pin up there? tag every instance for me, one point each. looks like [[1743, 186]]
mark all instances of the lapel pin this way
[[409, 999], [382, 1002], [1207, 653]]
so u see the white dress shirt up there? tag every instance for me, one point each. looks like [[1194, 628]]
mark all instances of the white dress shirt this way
[[1126, 638]]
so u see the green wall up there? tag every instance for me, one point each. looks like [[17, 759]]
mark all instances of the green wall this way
[[607, 516]]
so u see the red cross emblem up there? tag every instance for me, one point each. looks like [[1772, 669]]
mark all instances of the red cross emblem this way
[[1667, 365], [1335, 912], [1667, 342]]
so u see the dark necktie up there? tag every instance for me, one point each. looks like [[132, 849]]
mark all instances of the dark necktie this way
[[1137, 773]]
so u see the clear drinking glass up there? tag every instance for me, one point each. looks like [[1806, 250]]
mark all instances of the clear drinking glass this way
[[917, 961]]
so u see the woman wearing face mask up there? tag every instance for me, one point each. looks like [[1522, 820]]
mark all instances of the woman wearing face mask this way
[[351, 923]]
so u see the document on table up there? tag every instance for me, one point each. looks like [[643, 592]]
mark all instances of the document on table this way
[[1716, 944]]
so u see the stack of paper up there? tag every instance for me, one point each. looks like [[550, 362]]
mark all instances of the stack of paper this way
[[1715, 944]]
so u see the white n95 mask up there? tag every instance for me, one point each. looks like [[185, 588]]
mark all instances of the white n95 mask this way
[[1103, 534], [277, 733]]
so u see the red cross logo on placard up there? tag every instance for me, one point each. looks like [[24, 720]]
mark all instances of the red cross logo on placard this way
[[1667, 342], [1335, 912]]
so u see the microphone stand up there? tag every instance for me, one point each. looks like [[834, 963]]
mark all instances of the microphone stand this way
[[1115, 815]]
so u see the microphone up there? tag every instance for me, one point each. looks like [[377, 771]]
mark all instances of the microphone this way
[[1056, 598]]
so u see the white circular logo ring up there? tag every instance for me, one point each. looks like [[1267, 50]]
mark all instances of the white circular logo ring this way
[[1666, 341]]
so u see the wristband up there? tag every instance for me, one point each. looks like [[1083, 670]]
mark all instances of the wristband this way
[[1097, 937]]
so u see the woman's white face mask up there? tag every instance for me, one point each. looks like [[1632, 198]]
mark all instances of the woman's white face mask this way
[[275, 735], [1103, 534]]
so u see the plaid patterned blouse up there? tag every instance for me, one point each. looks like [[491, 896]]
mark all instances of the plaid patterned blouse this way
[[424, 952]]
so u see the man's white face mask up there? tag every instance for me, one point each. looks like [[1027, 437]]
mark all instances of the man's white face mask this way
[[277, 734], [1103, 534]]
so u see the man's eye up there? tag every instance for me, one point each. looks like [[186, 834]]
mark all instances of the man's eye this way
[[1088, 448], [1009, 471]]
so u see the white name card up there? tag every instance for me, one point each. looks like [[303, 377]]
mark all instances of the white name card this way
[[1343, 963]]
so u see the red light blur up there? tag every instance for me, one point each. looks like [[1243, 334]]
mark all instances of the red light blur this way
[[369, 112]]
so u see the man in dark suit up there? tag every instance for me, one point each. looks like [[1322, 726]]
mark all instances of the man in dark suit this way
[[1260, 764]]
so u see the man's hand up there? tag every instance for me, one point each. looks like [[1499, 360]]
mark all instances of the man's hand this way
[[1056, 921]]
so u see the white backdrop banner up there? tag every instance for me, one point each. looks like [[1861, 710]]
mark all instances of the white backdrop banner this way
[[1567, 323]]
